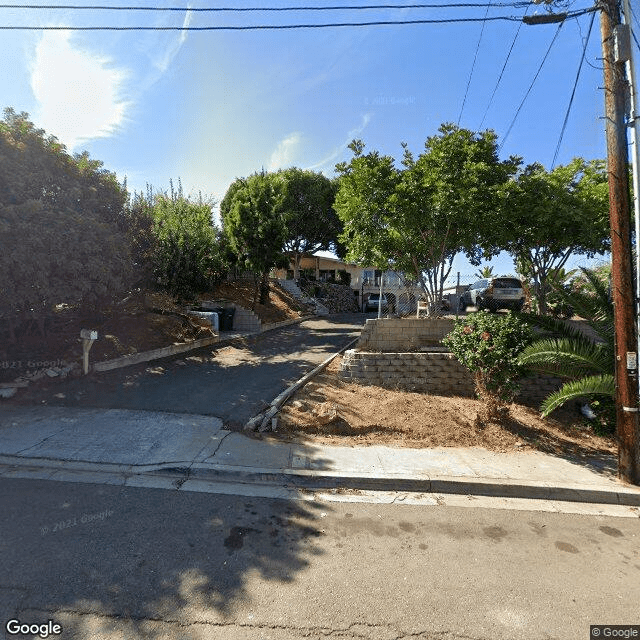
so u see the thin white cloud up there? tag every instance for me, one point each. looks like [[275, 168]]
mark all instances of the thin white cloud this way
[[79, 93], [172, 51], [284, 152], [338, 151]]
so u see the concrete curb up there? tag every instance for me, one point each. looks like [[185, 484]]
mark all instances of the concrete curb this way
[[493, 487], [154, 354], [260, 422], [165, 352], [322, 480]]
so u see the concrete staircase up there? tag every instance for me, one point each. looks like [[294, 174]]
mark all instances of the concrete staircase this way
[[294, 290], [245, 320]]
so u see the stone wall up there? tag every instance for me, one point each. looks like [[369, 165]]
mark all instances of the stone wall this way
[[438, 373], [403, 334]]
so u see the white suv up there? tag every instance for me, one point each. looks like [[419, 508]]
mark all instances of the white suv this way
[[494, 293]]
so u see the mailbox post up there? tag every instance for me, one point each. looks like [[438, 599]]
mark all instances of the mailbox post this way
[[88, 336]]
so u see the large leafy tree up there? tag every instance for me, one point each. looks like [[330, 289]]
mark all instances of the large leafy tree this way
[[309, 217], [553, 215], [253, 222], [62, 229], [416, 219]]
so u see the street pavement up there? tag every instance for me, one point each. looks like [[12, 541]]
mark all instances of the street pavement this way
[[130, 563]]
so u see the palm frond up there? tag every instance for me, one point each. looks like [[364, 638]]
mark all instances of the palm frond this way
[[552, 325], [567, 357], [603, 384]]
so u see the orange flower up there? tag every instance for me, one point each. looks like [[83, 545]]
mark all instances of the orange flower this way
[[485, 335], [467, 330]]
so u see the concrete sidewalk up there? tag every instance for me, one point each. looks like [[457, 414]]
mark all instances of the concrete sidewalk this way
[[50, 441]]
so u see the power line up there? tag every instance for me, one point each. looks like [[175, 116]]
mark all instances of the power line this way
[[372, 23], [473, 65], [526, 95], [504, 66], [259, 27], [519, 4], [573, 93]]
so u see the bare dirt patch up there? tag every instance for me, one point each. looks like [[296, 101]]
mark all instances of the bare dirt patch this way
[[329, 410], [281, 306], [140, 322]]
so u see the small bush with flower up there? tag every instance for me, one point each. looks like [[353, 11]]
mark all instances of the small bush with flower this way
[[489, 344]]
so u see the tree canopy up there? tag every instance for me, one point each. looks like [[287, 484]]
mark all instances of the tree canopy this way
[[416, 219], [253, 221], [60, 223], [311, 223], [553, 215]]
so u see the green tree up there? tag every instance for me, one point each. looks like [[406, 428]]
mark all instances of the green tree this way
[[552, 216], [586, 363], [485, 272], [187, 257], [307, 207], [253, 221], [62, 227], [415, 220]]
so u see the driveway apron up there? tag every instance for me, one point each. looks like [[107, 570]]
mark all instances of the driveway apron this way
[[232, 382]]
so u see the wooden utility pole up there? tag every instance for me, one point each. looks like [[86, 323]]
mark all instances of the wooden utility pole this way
[[626, 399]]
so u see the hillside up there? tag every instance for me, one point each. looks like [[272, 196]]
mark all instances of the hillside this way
[[144, 320]]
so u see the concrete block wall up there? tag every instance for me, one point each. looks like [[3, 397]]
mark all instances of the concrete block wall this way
[[245, 320], [403, 334], [437, 373], [534, 389]]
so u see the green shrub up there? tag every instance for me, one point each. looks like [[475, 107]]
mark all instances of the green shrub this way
[[188, 257], [489, 345]]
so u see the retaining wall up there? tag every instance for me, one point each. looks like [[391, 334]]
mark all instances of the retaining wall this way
[[403, 334], [438, 373]]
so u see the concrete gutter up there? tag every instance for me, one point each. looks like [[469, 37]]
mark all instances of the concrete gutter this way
[[312, 480]]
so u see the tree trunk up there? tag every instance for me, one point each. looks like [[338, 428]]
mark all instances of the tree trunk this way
[[264, 288], [297, 259]]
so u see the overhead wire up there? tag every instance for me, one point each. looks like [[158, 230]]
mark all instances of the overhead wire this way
[[473, 65], [519, 4], [254, 27], [573, 92], [183, 28], [526, 95], [504, 66]]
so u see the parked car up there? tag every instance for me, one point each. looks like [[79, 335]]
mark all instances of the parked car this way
[[494, 293], [373, 302]]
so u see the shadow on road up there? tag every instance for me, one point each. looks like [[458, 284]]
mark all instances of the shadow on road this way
[[111, 562]]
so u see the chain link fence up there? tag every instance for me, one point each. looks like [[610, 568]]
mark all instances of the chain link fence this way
[[391, 295]]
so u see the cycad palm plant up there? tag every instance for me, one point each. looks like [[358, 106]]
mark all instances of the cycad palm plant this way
[[586, 363]]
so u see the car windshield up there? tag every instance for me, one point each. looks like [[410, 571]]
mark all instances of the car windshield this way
[[507, 283]]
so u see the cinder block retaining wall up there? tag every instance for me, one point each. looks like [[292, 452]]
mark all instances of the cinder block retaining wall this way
[[403, 334], [436, 373]]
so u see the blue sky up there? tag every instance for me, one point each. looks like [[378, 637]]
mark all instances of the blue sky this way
[[211, 106]]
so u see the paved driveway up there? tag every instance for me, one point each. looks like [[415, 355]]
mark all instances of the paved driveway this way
[[232, 383]]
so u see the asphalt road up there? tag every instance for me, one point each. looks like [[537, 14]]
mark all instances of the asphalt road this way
[[108, 563], [233, 383]]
